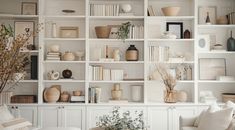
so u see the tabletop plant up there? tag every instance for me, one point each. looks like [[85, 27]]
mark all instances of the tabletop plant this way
[[123, 31], [121, 121]]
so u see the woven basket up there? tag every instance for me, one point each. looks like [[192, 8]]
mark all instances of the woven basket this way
[[228, 97], [102, 31]]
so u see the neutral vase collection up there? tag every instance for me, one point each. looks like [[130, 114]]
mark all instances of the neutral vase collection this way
[[231, 43], [52, 94], [132, 53]]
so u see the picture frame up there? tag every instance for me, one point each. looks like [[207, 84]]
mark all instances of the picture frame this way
[[114, 31], [202, 14], [69, 32], [176, 28], [203, 43], [211, 68], [27, 28], [29, 8]]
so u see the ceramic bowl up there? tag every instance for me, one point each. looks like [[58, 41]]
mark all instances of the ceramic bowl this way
[[171, 11]]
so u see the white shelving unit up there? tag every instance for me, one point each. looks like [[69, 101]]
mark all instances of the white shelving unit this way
[[49, 11]]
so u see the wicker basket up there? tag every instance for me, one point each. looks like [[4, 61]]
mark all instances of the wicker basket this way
[[24, 99], [102, 31], [228, 97]]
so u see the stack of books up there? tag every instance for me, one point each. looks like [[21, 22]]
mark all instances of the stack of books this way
[[77, 99], [104, 9], [98, 72], [159, 53], [55, 56], [94, 94], [136, 32]]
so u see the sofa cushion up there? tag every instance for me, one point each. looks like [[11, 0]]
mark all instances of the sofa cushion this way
[[5, 114], [189, 128], [218, 120], [197, 121]]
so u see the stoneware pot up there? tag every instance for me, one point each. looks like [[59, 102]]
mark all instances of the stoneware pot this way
[[67, 74], [102, 31], [64, 97], [222, 20], [68, 56], [171, 11], [77, 93], [51, 95], [182, 96], [54, 48]]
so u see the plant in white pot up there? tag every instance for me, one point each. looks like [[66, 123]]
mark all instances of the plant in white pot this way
[[12, 61], [121, 121]]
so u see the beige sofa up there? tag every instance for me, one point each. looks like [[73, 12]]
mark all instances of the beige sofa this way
[[188, 124]]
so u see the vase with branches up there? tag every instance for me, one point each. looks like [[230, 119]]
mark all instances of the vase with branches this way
[[169, 82], [13, 61]]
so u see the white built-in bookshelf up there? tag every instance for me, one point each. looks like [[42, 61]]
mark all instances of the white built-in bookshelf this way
[[49, 11]]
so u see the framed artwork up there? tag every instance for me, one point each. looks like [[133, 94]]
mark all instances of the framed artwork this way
[[176, 28], [203, 43], [69, 32], [114, 31], [25, 28], [209, 11], [29, 8], [210, 68]]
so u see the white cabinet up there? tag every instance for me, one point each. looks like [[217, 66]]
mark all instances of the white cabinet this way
[[62, 116], [27, 112], [158, 118], [167, 118]]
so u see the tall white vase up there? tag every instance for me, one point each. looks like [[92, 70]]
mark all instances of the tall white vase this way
[[136, 93]]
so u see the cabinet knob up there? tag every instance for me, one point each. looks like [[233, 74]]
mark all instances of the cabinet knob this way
[[16, 107], [59, 107], [12, 107], [62, 107]]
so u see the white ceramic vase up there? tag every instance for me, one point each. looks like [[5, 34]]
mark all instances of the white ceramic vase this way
[[136, 93], [126, 8]]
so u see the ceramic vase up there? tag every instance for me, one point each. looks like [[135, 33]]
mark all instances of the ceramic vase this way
[[170, 96], [51, 95], [182, 96], [136, 93], [116, 92], [68, 56], [64, 97]]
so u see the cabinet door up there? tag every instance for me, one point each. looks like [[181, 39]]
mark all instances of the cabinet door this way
[[27, 112], [181, 111], [73, 116], [158, 118], [49, 116], [93, 114]]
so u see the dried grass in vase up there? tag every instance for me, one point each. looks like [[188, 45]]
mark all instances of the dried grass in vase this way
[[169, 82]]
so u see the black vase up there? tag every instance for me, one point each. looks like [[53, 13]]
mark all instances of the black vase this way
[[231, 43]]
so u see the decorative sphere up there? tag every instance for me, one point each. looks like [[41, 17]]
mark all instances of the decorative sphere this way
[[67, 73], [126, 8]]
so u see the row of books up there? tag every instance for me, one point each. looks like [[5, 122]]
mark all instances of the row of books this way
[[104, 9], [231, 18], [5, 97], [100, 73], [94, 94], [158, 53], [136, 32], [55, 56], [151, 12]]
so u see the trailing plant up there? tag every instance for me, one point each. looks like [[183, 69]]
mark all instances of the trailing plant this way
[[121, 121], [124, 30]]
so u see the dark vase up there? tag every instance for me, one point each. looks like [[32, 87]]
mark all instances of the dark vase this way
[[132, 53], [67, 74], [187, 34], [208, 21], [231, 43]]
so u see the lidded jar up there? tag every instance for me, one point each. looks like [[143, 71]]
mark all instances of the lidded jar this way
[[132, 53], [68, 56]]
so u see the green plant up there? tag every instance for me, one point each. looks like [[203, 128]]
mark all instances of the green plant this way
[[124, 121], [124, 31]]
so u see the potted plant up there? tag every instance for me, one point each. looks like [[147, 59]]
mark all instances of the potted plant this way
[[123, 31], [13, 62], [121, 121]]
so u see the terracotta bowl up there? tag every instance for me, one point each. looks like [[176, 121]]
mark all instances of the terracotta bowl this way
[[102, 31], [171, 11]]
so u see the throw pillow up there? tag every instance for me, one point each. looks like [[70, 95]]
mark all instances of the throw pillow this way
[[5, 114], [230, 104], [218, 120], [214, 107]]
